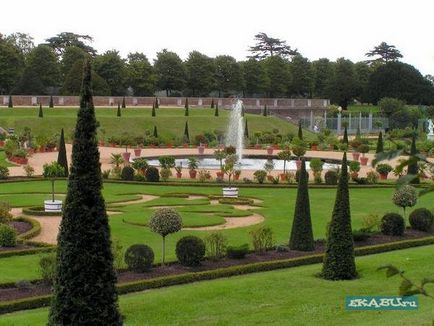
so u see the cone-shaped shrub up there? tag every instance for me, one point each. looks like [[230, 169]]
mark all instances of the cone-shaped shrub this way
[[300, 131], [153, 110], [216, 112], [301, 234], [10, 104], [339, 261], [345, 138], [186, 133], [40, 113], [123, 103], [84, 290], [156, 104], [51, 104], [246, 130], [380, 145], [186, 107], [264, 112], [186, 103], [212, 104], [412, 166], [62, 159], [155, 132], [118, 113]]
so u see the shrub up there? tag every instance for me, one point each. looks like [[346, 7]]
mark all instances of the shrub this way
[[316, 165], [127, 173], [354, 166], [152, 174], [238, 252], [139, 258], [8, 236], [372, 177], [421, 219], [165, 174], [360, 235], [190, 250], [260, 175], [383, 168], [371, 223], [331, 177], [29, 170], [4, 172], [5, 215], [405, 196], [215, 245], [262, 239], [392, 224], [105, 174], [47, 267], [389, 105]]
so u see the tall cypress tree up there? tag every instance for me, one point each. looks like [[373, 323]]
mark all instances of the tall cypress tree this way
[[186, 113], [246, 130], [186, 133], [264, 112], [216, 112], [300, 130], [155, 132], [345, 138], [380, 145], [153, 110], [10, 104], [301, 233], [123, 103], [41, 113], [61, 157], [118, 113], [339, 263], [212, 104], [412, 168], [51, 104], [84, 290], [156, 104], [186, 103]]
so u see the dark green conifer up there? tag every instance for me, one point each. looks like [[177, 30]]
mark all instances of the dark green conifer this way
[[300, 130], [246, 130], [186, 133], [10, 104], [123, 103], [156, 104], [51, 105], [62, 158], [264, 112], [339, 263], [380, 145], [40, 113], [186, 113], [413, 168], [301, 234], [84, 291], [118, 113], [153, 110], [155, 132], [242, 111], [212, 104], [345, 138], [358, 133], [216, 112]]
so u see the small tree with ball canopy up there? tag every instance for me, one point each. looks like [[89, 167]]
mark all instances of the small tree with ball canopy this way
[[53, 171], [405, 196], [165, 221]]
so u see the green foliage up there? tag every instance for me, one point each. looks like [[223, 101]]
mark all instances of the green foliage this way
[[127, 173], [170, 71], [301, 237], [421, 219], [123, 103], [53, 170], [354, 166], [165, 174], [300, 131], [40, 113], [371, 223], [10, 103], [5, 215], [339, 261], [262, 239], [372, 177], [383, 168], [190, 250], [380, 145], [216, 111], [412, 168], [331, 177], [405, 196], [215, 244], [392, 224], [186, 133], [51, 103], [152, 174], [139, 258], [8, 236], [62, 158], [118, 112], [4, 172], [316, 164], [361, 235], [47, 268], [260, 175], [345, 138], [237, 252], [153, 113]]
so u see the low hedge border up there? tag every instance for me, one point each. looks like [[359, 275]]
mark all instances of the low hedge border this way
[[39, 211], [33, 232], [30, 251], [37, 302]]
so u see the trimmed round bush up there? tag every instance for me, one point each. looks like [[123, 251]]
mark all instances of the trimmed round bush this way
[[152, 174], [127, 173], [421, 219], [392, 224], [237, 252], [331, 177], [8, 236], [139, 258], [190, 250]]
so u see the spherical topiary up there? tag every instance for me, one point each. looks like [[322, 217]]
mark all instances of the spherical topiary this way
[[139, 258], [421, 219], [190, 250], [331, 177], [127, 173], [405, 196], [392, 224], [8, 236], [152, 174]]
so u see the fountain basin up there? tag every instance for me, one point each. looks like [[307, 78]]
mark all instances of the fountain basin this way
[[53, 206]]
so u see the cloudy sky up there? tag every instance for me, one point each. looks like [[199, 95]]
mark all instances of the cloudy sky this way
[[317, 28]]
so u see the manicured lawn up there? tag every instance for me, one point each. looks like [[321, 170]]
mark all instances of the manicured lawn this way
[[3, 159], [285, 297], [169, 121], [278, 209]]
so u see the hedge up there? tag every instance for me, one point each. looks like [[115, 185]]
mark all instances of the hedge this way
[[36, 302], [25, 252], [33, 232], [38, 211]]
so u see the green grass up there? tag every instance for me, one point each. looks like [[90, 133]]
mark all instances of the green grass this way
[[285, 297], [169, 121], [3, 159]]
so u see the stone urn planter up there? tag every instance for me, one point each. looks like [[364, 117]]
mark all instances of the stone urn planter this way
[[231, 192], [193, 174], [364, 161], [383, 176], [137, 152], [53, 206], [356, 156], [178, 175], [283, 176], [201, 149], [270, 150], [126, 156]]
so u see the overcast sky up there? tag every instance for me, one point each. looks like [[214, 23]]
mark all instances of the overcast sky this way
[[317, 28]]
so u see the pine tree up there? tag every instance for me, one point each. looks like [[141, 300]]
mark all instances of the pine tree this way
[[51, 104], [216, 112], [156, 104], [62, 159], [246, 130], [84, 290], [153, 110], [380, 145], [118, 113], [186, 113], [186, 133], [300, 130], [10, 104], [123, 103], [212, 104], [339, 263], [345, 138], [301, 233], [41, 113], [412, 168], [155, 132], [264, 112]]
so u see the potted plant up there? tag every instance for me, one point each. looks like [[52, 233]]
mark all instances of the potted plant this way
[[363, 149], [285, 156], [229, 170], [112, 141], [270, 150], [140, 164], [383, 169], [314, 145], [20, 156], [201, 149], [354, 169], [355, 143], [41, 140], [102, 138], [53, 171], [316, 165], [137, 151], [220, 155], [237, 174], [299, 149], [178, 170], [2, 139], [193, 164], [268, 167]]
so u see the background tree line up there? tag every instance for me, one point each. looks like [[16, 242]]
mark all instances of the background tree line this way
[[274, 69]]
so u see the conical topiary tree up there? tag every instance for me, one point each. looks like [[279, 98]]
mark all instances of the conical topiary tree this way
[[300, 131], [380, 145], [10, 104], [118, 113], [51, 104], [246, 129], [186, 133], [84, 291], [264, 112], [153, 111], [157, 103], [123, 103], [216, 112], [40, 113], [413, 168], [62, 158], [212, 104], [345, 138], [301, 234], [339, 263], [186, 107], [155, 132]]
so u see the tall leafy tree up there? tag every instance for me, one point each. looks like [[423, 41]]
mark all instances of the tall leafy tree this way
[[277, 70], [200, 73], [322, 71], [84, 290], [140, 75], [112, 68], [62, 158], [62, 41], [255, 77], [343, 86], [22, 41], [170, 71], [267, 46], [228, 75], [301, 82], [339, 263], [363, 72], [11, 66], [384, 53], [70, 56]]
